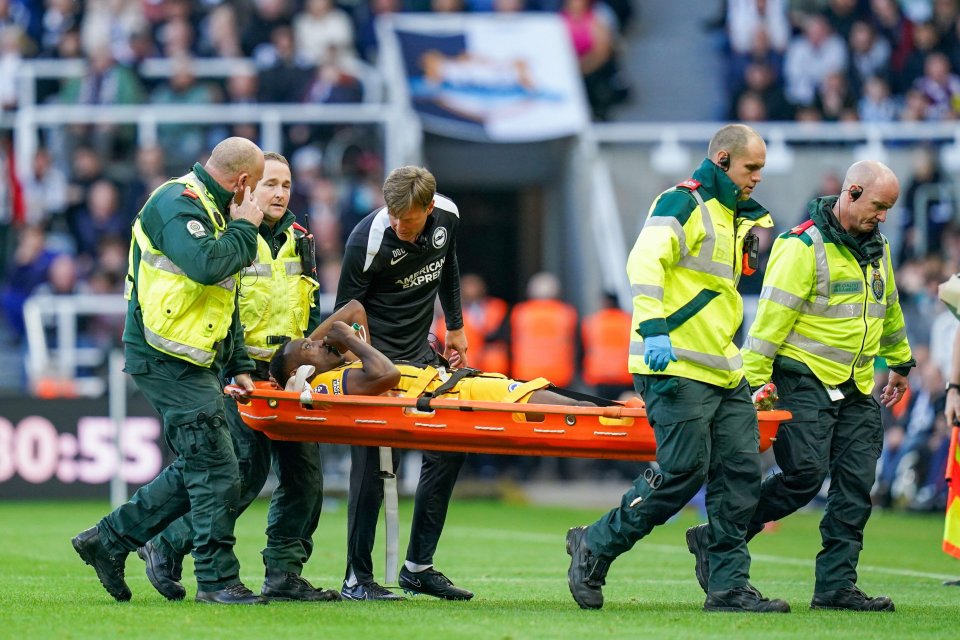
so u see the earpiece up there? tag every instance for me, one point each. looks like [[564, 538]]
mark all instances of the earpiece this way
[[724, 163], [855, 192]]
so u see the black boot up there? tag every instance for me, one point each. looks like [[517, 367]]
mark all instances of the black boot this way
[[234, 594], [109, 568], [286, 585], [743, 599], [432, 583], [697, 543], [850, 599], [163, 571], [587, 573]]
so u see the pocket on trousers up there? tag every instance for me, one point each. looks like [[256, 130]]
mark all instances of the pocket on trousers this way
[[200, 436], [681, 446]]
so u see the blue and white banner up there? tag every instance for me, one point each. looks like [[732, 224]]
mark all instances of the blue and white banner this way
[[500, 78]]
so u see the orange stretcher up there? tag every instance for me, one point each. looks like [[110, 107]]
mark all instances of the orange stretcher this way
[[617, 432]]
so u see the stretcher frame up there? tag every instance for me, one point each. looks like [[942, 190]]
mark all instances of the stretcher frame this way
[[618, 432]]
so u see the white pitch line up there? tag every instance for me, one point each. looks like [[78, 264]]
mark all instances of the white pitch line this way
[[665, 548]]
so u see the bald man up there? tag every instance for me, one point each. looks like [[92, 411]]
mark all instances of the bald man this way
[[182, 334], [827, 309]]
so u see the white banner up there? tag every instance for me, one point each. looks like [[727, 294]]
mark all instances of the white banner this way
[[502, 78]]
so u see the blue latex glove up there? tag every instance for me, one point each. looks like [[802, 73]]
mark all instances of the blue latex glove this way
[[658, 352]]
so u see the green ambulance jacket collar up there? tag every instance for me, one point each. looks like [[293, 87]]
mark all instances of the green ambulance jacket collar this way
[[716, 183], [278, 230], [867, 248], [221, 197]]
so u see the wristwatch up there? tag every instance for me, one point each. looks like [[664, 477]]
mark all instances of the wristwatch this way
[[952, 385]]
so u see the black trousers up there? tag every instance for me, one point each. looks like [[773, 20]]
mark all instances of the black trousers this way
[[437, 478]]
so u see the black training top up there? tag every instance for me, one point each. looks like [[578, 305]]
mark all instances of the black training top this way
[[398, 281]]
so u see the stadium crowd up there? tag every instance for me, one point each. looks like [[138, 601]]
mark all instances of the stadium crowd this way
[[64, 227], [841, 60]]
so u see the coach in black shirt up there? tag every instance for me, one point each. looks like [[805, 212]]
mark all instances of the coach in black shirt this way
[[396, 261]]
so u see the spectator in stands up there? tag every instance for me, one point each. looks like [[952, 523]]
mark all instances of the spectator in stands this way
[[746, 21], [282, 75], [31, 262], [877, 105], [834, 99], [110, 24], [13, 43], [925, 409], [319, 27], [365, 18], [100, 218], [593, 40], [930, 195], [892, 26], [810, 58], [842, 15], [944, 20], [869, 55], [925, 42], [176, 38], [750, 107], [257, 37], [86, 167], [44, 190], [940, 86], [182, 142], [760, 80], [219, 37], [334, 80], [106, 82], [151, 172]]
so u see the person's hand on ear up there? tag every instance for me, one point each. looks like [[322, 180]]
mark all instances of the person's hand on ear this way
[[247, 210]]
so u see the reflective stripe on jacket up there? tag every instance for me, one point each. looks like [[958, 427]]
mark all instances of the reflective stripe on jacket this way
[[684, 269], [820, 307], [275, 297], [181, 317]]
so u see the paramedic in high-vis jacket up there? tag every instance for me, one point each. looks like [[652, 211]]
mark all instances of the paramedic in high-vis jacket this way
[[182, 332], [684, 268], [829, 306]]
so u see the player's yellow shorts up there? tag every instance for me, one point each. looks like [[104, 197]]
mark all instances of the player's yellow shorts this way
[[496, 389]]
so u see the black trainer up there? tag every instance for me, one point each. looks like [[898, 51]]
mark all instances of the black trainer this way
[[234, 594], [743, 599], [587, 573], [850, 599], [285, 585], [164, 572], [109, 567], [368, 591], [697, 544], [432, 583]]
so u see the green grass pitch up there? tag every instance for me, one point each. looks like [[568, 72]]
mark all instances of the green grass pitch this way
[[511, 555]]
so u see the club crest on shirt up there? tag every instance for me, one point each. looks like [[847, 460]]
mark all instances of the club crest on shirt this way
[[512, 386], [321, 388], [439, 237], [877, 286], [196, 229]]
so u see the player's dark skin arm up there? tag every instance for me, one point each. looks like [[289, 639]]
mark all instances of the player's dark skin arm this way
[[350, 313], [377, 374]]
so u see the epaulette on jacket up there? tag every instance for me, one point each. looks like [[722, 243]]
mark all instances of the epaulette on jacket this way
[[800, 228], [690, 184]]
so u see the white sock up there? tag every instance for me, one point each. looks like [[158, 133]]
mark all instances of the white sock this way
[[416, 568]]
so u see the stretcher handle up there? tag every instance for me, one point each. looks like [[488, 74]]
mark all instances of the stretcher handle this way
[[614, 412]]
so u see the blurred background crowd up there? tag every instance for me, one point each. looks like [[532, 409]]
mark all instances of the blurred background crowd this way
[[65, 224]]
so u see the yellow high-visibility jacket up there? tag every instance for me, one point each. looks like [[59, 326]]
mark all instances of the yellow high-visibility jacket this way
[[827, 307], [684, 270]]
